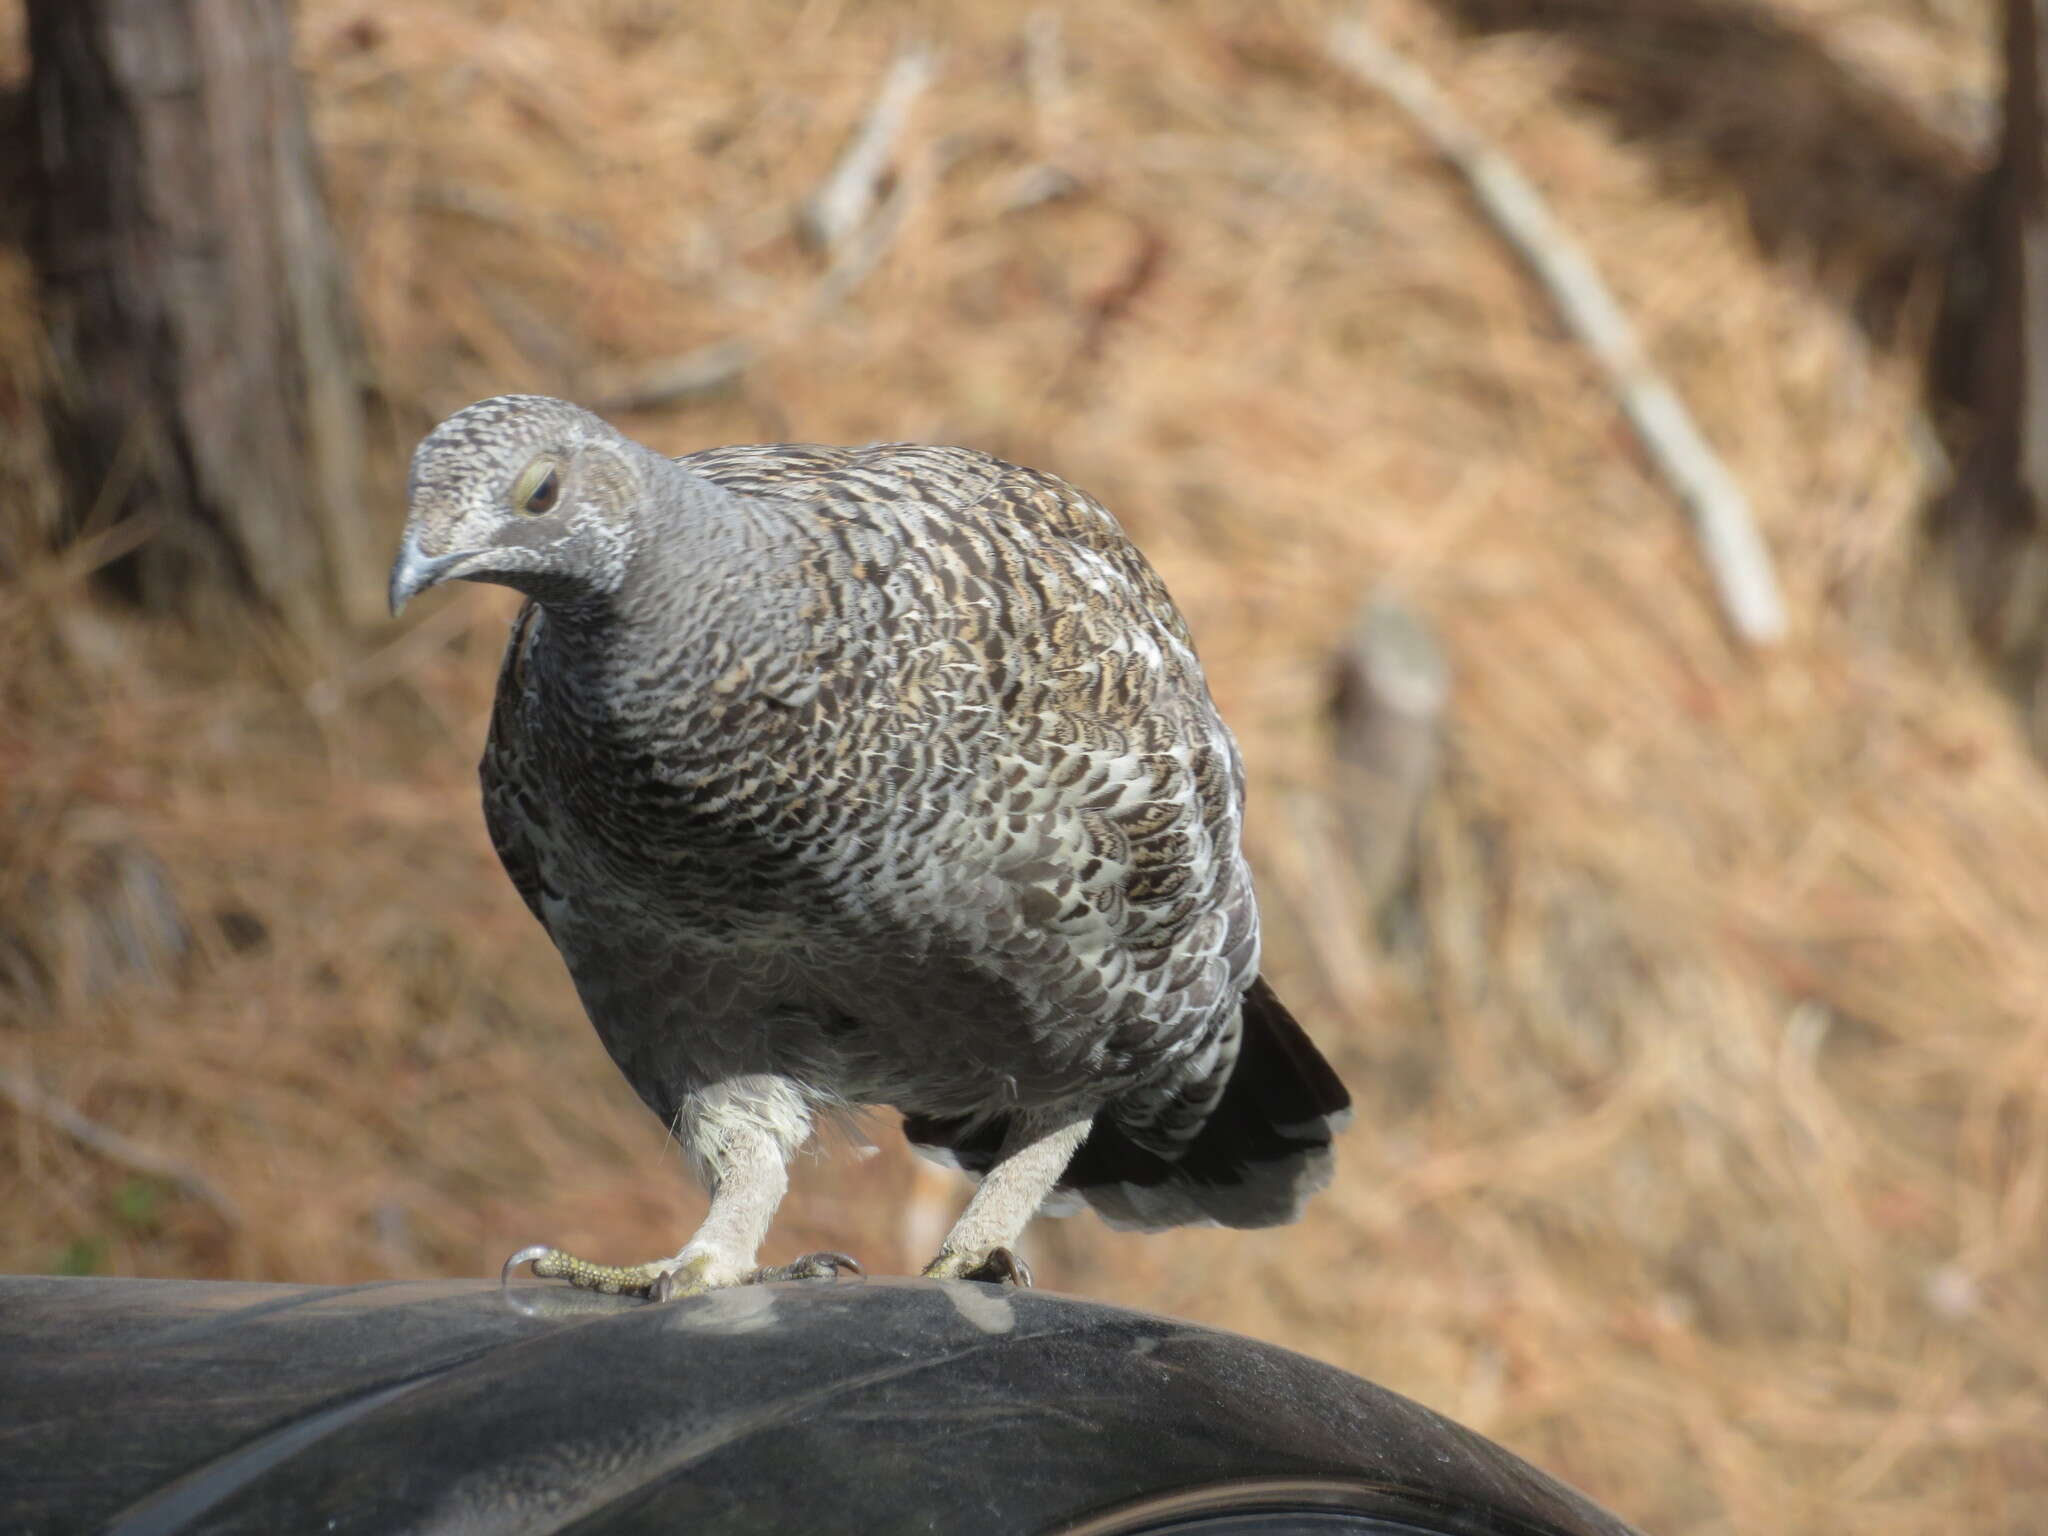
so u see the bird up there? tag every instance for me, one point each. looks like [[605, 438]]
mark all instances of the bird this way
[[847, 778]]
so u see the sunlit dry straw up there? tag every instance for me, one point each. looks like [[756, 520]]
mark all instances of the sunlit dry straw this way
[[1703, 1145]]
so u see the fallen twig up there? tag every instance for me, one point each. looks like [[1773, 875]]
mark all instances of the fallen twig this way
[[112, 1145], [1045, 78], [1052, 174], [720, 364], [846, 199], [703, 371], [856, 249], [860, 255], [1734, 552]]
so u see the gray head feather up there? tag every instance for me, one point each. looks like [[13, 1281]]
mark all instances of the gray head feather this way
[[530, 492]]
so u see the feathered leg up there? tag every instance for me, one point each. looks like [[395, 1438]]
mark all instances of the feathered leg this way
[[739, 1135], [1035, 1153]]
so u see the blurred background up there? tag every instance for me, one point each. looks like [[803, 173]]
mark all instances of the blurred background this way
[[1693, 991]]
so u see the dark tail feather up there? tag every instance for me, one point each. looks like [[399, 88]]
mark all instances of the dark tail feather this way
[[1262, 1152]]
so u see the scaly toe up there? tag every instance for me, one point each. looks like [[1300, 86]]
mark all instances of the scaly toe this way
[[812, 1266], [609, 1279], [998, 1265]]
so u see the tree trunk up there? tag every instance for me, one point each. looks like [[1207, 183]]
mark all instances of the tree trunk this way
[[208, 371], [1994, 520]]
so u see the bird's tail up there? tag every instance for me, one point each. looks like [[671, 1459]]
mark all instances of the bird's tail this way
[[1261, 1153]]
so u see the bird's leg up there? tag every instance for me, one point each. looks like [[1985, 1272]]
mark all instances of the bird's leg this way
[[739, 1135], [1035, 1152]]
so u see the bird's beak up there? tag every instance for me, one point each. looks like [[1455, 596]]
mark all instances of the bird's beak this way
[[413, 572]]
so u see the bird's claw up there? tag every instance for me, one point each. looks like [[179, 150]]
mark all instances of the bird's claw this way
[[812, 1266], [999, 1265]]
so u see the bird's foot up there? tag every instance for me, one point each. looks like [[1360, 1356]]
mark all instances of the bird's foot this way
[[697, 1274], [687, 1274], [997, 1264], [812, 1266]]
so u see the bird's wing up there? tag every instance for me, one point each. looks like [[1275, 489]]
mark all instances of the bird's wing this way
[[509, 811], [1047, 721]]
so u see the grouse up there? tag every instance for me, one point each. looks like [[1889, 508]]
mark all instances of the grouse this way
[[881, 776]]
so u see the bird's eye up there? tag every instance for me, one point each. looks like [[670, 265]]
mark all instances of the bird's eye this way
[[539, 487]]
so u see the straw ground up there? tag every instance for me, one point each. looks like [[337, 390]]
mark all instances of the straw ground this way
[[1703, 1060]]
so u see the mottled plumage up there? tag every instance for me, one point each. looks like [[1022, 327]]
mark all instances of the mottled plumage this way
[[886, 775]]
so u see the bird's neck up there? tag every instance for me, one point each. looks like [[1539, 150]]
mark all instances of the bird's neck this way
[[693, 608]]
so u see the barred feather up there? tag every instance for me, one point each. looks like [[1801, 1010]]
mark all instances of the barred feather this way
[[890, 770]]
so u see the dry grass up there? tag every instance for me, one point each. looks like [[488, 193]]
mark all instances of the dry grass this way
[[1703, 1070]]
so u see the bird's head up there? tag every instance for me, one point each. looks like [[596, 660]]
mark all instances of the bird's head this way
[[526, 491]]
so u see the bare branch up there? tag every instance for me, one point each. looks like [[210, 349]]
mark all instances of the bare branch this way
[[1734, 552], [847, 197], [856, 250], [860, 255], [116, 1148], [720, 364], [704, 371], [1045, 77]]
